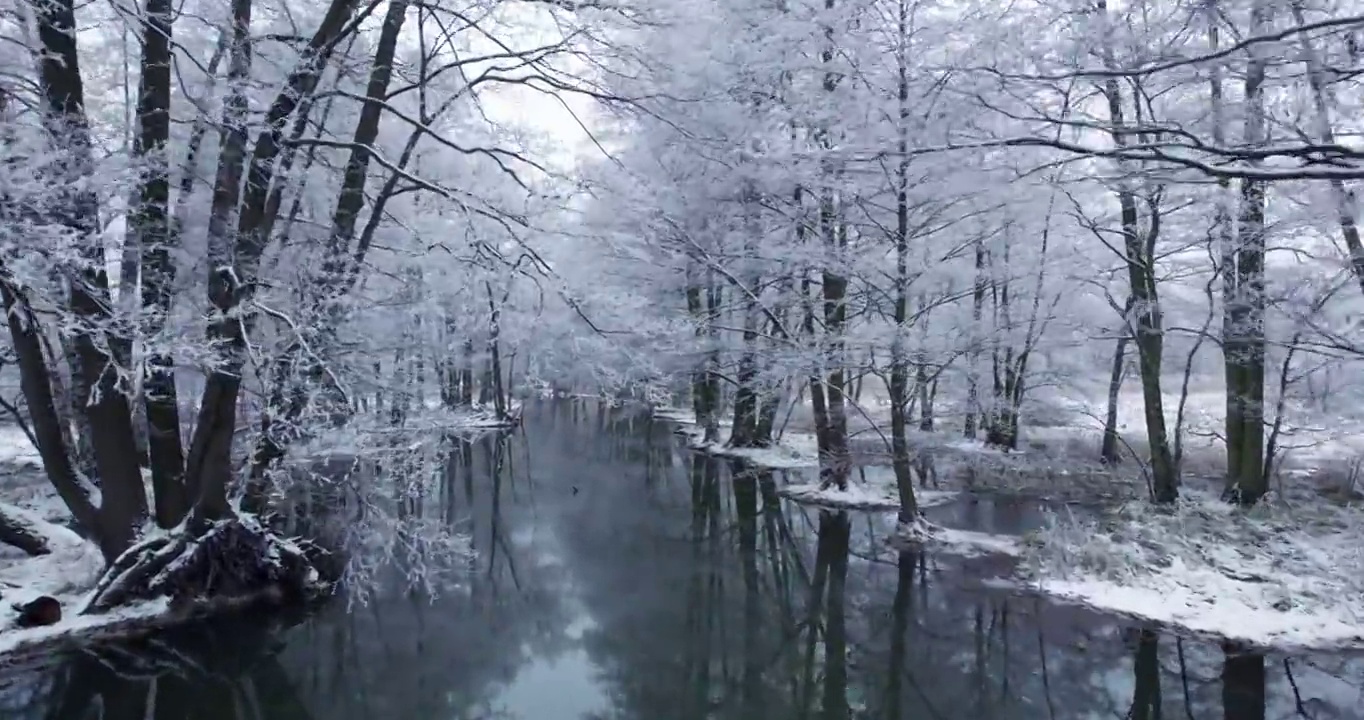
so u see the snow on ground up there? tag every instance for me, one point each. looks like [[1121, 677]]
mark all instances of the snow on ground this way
[[863, 496], [16, 449], [1307, 439], [958, 542], [677, 415], [39, 500], [792, 449], [1276, 576], [12, 639], [472, 418], [68, 573]]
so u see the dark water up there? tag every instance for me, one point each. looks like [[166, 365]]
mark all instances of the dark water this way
[[620, 577]]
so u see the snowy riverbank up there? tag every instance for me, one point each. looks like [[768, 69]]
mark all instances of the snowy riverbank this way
[[791, 450], [67, 573], [70, 569], [1281, 575], [861, 495]]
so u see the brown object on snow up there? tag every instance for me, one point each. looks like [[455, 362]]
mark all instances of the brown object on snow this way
[[44, 610]]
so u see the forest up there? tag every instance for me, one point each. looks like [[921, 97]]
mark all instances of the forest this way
[[242, 242]]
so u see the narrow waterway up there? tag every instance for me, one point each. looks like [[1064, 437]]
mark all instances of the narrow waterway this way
[[619, 576]]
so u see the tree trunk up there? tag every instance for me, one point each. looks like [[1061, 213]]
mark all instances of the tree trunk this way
[[768, 405], [899, 362], [1150, 346], [402, 395], [747, 394], [124, 501], [835, 463], [495, 351], [76, 399], [701, 402], [998, 428], [351, 199], [449, 367], [466, 374], [152, 225], [901, 462], [1141, 272], [835, 317], [323, 298], [1108, 452], [744, 434], [977, 310], [922, 382], [1245, 348], [710, 424], [208, 465], [44, 418]]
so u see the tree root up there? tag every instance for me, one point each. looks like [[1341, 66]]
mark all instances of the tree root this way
[[232, 558]]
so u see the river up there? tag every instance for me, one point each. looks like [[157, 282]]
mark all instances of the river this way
[[619, 576]]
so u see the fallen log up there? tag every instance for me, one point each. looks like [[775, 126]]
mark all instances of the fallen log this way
[[30, 533]]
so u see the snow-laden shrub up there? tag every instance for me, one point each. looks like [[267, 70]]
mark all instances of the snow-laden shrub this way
[[1068, 545]]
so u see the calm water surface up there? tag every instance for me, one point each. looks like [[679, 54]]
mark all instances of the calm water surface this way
[[620, 577]]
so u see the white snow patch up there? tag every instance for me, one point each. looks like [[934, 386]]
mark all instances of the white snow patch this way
[[953, 443], [958, 542], [16, 449], [863, 496], [1207, 602], [677, 415], [40, 501], [792, 450], [14, 638], [1275, 576], [476, 416]]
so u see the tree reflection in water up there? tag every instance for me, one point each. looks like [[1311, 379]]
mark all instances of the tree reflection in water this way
[[1146, 704], [672, 586], [1243, 683], [228, 671]]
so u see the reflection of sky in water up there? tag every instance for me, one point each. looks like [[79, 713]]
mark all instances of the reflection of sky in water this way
[[565, 685]]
